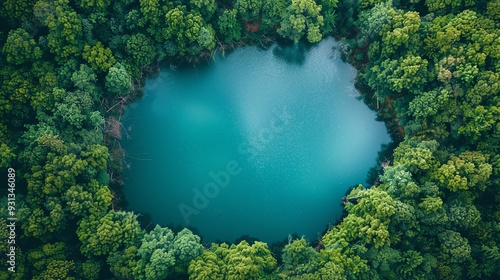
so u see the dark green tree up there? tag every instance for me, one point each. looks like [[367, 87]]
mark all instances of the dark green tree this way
[[249, 10], [229, 26], [118, 81]]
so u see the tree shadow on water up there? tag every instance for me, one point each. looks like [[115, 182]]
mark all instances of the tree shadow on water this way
[[292, 53], [247, 238]]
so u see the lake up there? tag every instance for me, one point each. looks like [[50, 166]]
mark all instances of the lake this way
[[261, 142]]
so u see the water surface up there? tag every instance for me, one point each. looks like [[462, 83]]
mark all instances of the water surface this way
[[261, 142]]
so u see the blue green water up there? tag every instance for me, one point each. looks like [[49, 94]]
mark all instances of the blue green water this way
[[261, 142]]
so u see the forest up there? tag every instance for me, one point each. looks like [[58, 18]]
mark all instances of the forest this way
[[431, 70]]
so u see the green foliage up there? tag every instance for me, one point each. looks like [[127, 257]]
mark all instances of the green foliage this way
[[433, 66], [208, 266], [15, 95], [373, 20], [206, 38], [188, 31], [53, 193], [468, 170], [271, 14], [72, 109], [65, 71], [301, 17], [18, 10], [446, 6], [141, 49], [249, 10], [158, 239], [297, 253], [91, 269], [57, 270], [186, 248], [65, 31], [21, 48], [43, 9], [464, 217], [94, 6], [229, 26], [84, 79], [417, 156], [454, 247], [104, 235], [205, 7], [150, 17], [398, 181], [493, 9], [6, 155], [240, 261], [123, 263], [428, 104], [99, 58], [118, 81], [328, 8], [162, 255], [4, 248], [93, 200], [405, 74], [50, 261]]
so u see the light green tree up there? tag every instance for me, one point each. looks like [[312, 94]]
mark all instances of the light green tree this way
[[104, 235], [99, 57], [187, 247], [297, 253], [161, 254], [58, 270], [188, 31], [302, 17], [207, 266], [65, 31], [470, 170], [300, 259], [20, 47], [240, 261]]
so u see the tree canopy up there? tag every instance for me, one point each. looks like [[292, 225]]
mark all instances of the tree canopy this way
[[430, 69]]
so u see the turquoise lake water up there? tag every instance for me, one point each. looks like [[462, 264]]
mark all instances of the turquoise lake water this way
[[261, 142]]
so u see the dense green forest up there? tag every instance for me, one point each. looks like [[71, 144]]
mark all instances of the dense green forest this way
[[430, 68]]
